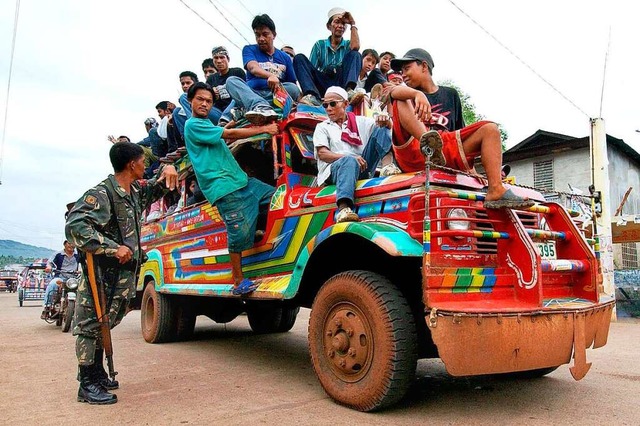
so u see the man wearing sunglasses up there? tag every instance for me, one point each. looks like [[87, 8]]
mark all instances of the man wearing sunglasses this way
[[348, 148]]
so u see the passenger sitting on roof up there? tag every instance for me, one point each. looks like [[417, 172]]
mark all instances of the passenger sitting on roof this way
[[267, 68], [238, 198], [369, 76], [348, 148], [217, 81], [208, 68], [385, 63], [428, 116], [334, 61]]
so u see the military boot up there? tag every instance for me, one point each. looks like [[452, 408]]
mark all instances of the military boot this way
[[102, 378], [90, 391]]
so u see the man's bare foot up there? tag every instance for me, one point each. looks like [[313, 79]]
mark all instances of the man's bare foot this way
[[495, 193]]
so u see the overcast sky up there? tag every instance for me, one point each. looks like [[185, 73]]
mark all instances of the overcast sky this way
[[87, 69]]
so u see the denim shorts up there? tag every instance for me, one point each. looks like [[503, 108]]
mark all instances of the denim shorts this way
[[240, 210]]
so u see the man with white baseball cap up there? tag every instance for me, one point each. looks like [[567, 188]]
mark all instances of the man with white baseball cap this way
[[348, 148], [334, 61]]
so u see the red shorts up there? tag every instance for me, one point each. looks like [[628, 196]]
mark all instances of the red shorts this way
[[407, 152]]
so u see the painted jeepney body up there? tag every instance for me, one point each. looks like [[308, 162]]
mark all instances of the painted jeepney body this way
[[490, 302]]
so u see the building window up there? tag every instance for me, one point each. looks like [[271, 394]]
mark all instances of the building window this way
[[543, 175], [629, 255]]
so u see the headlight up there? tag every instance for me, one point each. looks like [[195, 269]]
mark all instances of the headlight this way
[[458, 225], [72, 283]]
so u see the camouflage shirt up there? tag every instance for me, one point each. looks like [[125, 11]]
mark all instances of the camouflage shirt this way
[[106, 217]]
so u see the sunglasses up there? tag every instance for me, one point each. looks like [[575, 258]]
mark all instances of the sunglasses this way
[[331, 104]]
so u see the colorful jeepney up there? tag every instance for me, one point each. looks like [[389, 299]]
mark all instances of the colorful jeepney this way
[[427, 272]]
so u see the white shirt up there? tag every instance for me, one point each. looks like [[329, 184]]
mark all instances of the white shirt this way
[[329, 134], [162, 127]]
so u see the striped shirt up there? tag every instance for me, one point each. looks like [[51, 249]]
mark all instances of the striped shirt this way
[[324, 58]]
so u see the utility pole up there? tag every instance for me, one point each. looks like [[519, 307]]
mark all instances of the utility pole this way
[[600, 179]]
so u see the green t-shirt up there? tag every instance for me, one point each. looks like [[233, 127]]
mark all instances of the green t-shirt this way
[[218, 173]]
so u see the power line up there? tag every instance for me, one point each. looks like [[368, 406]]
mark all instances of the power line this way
[[209, 23], [6, 105], [230, 23], [240, 21], [518, 58], [252, 15]]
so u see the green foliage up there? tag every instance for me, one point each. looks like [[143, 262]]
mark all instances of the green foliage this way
[[13, 260], [469, 113]]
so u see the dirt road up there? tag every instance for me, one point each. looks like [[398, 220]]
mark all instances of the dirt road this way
[[227, 375]]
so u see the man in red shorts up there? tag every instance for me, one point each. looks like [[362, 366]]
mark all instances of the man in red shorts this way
[[428, 115]]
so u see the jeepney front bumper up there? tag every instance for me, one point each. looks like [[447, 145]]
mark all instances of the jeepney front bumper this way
[[488, 343]]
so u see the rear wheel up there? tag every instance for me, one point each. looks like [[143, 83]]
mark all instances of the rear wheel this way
[[68, 315], [266, 317], [157, 316], [362, 340], [185, 322]]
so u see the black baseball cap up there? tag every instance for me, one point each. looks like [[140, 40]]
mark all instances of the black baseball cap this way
[[413, 55]]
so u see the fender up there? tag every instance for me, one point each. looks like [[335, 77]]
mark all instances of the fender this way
[[391, 239], [153, 268]]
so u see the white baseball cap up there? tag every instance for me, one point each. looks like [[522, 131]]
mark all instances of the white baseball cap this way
[[335, 11], [338, 91]]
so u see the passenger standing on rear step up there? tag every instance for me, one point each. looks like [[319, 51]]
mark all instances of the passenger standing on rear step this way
[[238, 198]]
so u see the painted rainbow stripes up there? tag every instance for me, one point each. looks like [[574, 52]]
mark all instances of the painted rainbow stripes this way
[[546, 235], [465, 280]]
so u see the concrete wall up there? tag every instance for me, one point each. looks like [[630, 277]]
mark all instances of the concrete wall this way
[[574, 167]]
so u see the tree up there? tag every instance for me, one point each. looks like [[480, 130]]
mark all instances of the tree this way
[[469, 113]]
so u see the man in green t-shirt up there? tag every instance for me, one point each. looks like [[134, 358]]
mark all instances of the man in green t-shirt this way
[[238, 197]]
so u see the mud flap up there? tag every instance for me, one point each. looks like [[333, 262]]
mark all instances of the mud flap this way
[[580, 365]]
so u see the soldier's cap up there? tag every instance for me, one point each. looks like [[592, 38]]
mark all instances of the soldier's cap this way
[[220, 50], [413, 55]]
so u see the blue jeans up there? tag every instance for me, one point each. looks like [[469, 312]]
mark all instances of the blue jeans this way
[[52, 287], [245, 97], [345, 172], [314, 82], [240, 211]]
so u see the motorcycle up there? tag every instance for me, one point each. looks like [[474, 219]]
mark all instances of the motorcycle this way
[[63, 302]]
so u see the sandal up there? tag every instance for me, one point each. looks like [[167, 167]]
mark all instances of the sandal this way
[[431, 146], [246, 286], [509, 200]]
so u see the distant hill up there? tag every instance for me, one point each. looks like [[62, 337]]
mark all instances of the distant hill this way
[[16, 249]]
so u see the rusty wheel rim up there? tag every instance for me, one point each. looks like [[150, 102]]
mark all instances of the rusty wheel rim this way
[[348, 342]]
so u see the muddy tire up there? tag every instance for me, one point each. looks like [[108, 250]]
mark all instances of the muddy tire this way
[[185, 323], [362, 340], [157, 316], [264, 317], [68, 316], [288, 319]]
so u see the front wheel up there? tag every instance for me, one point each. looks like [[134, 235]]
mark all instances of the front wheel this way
[[362, 339], [68, 315], [156, 316]]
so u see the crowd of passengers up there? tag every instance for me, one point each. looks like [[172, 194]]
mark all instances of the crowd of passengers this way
[[384, 114]]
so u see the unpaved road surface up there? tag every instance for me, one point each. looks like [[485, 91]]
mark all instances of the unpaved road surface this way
[[227, 375]]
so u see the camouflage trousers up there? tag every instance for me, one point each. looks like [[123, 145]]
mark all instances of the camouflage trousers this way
[[87, 327]]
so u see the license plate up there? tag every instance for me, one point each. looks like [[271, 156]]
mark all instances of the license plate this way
[[547, 250]]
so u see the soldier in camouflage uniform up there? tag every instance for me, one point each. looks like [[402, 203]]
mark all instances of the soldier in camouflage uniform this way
[[106, 221]]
